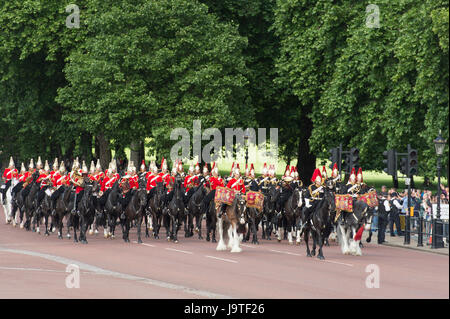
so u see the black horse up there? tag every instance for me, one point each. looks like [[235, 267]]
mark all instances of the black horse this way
[[175, 211], [113, 208], [155, 207], [291, 211], [318, 223], [30, 202], [195, 210], [134, 211], [269, 216], [87, 209], [211, 222]]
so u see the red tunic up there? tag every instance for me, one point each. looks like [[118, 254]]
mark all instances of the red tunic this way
[[151, 182], [43, 180], [108, 183], [190, 181], [216, 182], [134, 182], [8, 174], [237, 185]]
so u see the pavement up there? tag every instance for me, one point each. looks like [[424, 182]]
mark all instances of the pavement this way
[[398, 241], [36, 266]]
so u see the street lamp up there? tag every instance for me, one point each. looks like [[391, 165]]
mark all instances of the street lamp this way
[[437, 233], [246, 146]]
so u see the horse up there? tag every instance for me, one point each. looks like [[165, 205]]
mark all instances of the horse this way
[[87, 209], [175, 211], [253, 217], [318, 223], [44, 210], [63, 202], [269, 216], [350, 227], [113, 208], [30, 203], [8, 206], [232, 225], [156, 206], [195, 210], [291, 212], [211, 222], [134, 211]]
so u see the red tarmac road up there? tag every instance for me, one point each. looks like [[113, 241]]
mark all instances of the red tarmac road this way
[[34, 266]]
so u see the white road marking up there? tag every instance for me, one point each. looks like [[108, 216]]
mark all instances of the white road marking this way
[[337, 262], [223, 259], [248, 246], [180, 251], [285, 252], [40, 269], [105, 272], [144, 244]]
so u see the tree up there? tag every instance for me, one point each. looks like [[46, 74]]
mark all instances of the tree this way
[[148, 67]]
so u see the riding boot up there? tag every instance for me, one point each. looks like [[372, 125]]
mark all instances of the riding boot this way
[[74, 210]]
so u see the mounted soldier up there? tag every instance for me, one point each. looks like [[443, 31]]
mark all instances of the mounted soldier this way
[[9, 173], [264, 181], [190, 182], [78, 180], [296, 182], [314, 194], [236, 183], [250, 182], [352, 187], [45, 180], [286, 188], [363, 188], [143, 170], [335, 179], [215, 181]]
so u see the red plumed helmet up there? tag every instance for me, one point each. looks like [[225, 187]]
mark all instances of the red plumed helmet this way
[[359, 176], [316, 175]]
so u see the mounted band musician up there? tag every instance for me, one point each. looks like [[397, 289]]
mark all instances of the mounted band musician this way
[[314, 194], [236, 183]]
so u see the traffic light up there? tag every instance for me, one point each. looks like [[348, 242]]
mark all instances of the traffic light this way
[[334, 158], [404, 165], [389, 162], [346, 167], [412, 161], [354, 157]]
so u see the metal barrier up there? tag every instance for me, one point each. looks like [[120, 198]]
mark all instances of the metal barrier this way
[[420, 229]]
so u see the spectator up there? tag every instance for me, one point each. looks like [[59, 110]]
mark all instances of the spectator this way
[[394, 215], [384, 191]]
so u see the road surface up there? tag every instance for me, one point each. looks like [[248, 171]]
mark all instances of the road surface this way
[[34, 266]]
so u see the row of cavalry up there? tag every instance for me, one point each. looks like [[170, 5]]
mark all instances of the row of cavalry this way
[[239, 223]]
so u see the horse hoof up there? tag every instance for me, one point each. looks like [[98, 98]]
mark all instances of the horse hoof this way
[[91, 232], [279, 240], [60, 237], [291, 243], [297, 243], [208, 239], [139, 241], [321, 257], [214, 240], [308, 255], [175, 241]]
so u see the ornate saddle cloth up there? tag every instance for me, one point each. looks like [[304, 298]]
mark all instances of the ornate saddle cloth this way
[[224, 195], [344, 202], [369, 198], [255, 200]]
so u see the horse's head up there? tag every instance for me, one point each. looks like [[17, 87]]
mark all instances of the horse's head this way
[[240, 207], [329, 199], [142, 197], [368, 218]]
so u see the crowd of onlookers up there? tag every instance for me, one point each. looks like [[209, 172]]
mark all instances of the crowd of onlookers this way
[[397, 204]]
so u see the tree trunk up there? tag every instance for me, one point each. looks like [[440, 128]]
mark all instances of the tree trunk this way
[[135, 149], [104, 151], [86, 146], [306, 160]]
